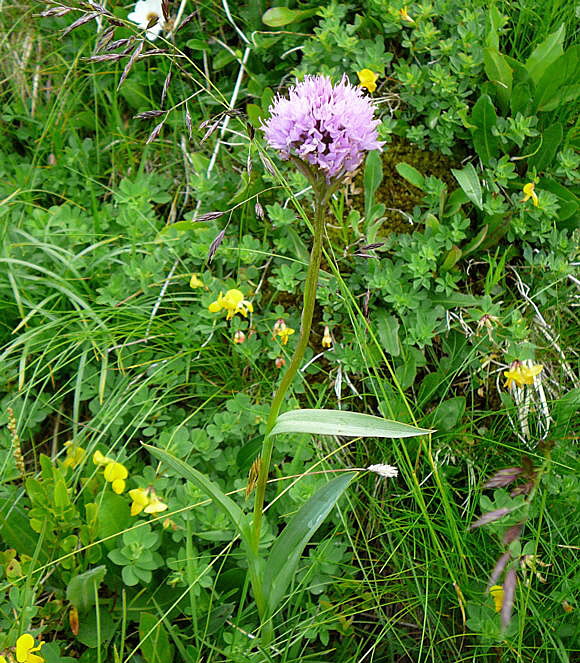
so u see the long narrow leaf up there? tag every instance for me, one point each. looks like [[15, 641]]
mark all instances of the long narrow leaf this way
[[339, 422], [227, 505], [288, 547]]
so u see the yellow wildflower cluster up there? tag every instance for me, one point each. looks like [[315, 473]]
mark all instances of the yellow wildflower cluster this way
[[367, 79], [233, 302], [520, 374], [115, 473], [145, 499], [25, 650], [282, 331]]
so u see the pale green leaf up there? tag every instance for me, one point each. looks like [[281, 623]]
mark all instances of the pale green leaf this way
[[340, 422], [287, 549], [469, 182], [545, 54], [81, 589]]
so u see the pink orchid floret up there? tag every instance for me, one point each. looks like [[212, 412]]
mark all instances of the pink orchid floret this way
[[330, 127]]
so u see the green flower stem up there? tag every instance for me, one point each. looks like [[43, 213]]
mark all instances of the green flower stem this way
[[321, 198]]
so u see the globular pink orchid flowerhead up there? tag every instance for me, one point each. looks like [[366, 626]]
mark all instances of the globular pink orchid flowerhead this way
[[328, 128]]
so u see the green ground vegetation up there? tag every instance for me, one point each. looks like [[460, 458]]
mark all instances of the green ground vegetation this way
[[135, 187]]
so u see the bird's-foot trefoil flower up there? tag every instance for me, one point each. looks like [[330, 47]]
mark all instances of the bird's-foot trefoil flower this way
[[148, 15], [75, 455], [239, 337], [115, 473], [326, 338], [195, 282], [367, 79], [520, 374], [25, 650], [405, 15], [497, 594], [529, 192], [282, 331], [145, 499], [100, 460], [325, 129], [232, 302]]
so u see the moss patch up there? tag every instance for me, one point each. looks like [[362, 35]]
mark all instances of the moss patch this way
[[395, 192]]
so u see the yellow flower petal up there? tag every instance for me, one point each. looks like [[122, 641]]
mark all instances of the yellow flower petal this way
[[115, 471], [522, 375], [140, 500], [155, 505], [25, 647], [118, 486], [195, 281], [214, 307], [368, 79], [99, 459], [74, 456], [497, 594], [529, 192]]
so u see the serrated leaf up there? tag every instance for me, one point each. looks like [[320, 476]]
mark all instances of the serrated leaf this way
[[81, 589], [340, 422], [546, 53], [287, 549], [469, 182]]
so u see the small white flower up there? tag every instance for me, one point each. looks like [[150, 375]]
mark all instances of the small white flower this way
[[145, 11], [386, 471]]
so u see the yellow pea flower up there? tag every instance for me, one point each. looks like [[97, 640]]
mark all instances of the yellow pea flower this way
[[520, 374], [239, 337], [155, 504], [405, 16], [529, 192], [100, 460], [326, 338], [145, 499], [497, 594], [74, 455], [367, 79], [115, 474], [233, 302], [282, 331], [140, 500], [195, 282], [25, 648]]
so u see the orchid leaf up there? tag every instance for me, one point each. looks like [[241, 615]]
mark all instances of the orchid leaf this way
[[288, 547], [339, 422]]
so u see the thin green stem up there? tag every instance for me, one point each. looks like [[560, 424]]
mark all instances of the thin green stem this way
[[305, 326]]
